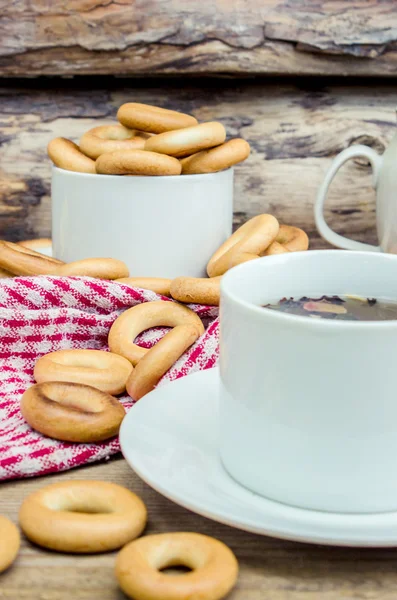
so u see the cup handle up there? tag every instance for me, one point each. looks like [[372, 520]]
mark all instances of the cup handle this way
[[334, 238]]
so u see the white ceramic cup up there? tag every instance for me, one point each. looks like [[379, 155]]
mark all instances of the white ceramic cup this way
[[308, 407], [159, 226]]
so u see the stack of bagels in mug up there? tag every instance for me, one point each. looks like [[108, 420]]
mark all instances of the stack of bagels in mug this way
[[150, 141]]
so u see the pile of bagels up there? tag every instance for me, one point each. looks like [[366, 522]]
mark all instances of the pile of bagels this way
[[74, 398], [149, 141], [86, 517], [261, 236]]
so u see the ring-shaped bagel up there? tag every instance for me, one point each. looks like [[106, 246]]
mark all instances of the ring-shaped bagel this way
[[23, 261], [10, 541], [65, 154], [137, 162], [82, 516], [100, 268], [289, 239], [159, 285], [145, 316], [184, 142], [159, 359], [275, 248], [197, 290], [292, 238], [214, 568], [216, 159], [105, 371], [108, 138], [246, 243], [154, 119], [72, 412]]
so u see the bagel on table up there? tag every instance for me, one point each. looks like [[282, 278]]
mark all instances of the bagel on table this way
[[10, 541], [82, 517], [214, 567]]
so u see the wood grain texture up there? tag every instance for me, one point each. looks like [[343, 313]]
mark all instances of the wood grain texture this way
[[270, 569], [152, 37], [294, 133]]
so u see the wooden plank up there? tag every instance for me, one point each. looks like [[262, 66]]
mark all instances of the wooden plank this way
[[294, 133], [269, 568], [152, 37]]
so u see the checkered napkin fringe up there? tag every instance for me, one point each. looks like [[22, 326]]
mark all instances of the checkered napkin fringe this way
[[43, 314]]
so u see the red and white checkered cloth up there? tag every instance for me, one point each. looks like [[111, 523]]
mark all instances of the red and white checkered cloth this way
[[43, 314]]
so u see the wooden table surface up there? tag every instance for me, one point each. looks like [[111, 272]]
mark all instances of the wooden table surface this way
[[269, 568]]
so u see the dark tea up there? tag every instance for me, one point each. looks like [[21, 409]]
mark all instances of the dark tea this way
[[339, 308]]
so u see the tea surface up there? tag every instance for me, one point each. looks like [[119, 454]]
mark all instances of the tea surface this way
[[339, 308]]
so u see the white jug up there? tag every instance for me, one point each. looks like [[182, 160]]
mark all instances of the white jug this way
[[385, 182]]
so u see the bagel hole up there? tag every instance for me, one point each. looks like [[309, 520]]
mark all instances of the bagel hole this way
[[149, 337], [88, 510], [176, 570], [88, 506]]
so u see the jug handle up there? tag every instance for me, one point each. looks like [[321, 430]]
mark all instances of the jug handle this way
[[326, 232]]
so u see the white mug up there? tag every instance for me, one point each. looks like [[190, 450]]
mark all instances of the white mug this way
[[159, 226], [308, 408], [385, 183]]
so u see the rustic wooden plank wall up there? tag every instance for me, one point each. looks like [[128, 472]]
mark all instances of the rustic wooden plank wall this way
[[294, 131], [135, 37], [226, 50]]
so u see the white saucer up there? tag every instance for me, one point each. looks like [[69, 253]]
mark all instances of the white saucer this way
[[169, 438]]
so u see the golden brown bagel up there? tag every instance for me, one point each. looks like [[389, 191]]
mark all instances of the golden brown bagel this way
[[197, 290], [184, 142], [82, 517], [107, 138], [155, 284], [292, 238], [65, 154], [246, 243], [144, 316], [72, 412], [216, 159], [9, 543], [159, 359], [103, 370], [289, 239], [101, 268], [214, 568], [137, 162], [152, 118], [275, 248], [5, 274], [24, 261]]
